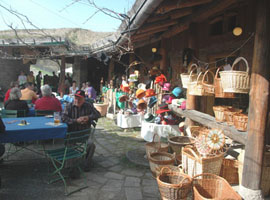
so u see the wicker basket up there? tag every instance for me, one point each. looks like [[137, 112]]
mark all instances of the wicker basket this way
[[153, 146], [102, 108], [229, 171], [185, 77], [240, 121], [236, 81], [219, 113], [160, 159], [219, 93], [178, 142], [194, 164], [208, 88], [229, 112], [210, 186], [173, 185], [200, 87]]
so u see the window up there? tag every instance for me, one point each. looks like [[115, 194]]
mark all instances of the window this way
[[216, 28]]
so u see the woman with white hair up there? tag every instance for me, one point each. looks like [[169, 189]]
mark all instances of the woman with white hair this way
[[48, 102], [14, 102]]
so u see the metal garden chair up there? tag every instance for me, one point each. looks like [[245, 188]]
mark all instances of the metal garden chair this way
[[9, 113], [75, 148]]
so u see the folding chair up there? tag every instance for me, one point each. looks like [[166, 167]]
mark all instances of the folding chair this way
[[9, 113], [75, 148], [40, 113]]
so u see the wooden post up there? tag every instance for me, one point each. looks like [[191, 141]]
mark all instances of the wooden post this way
[[111, 69], [61, 84], [258, 104], [163, 62], [191, 99]]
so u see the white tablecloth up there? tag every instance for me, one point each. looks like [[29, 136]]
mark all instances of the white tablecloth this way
[[129, 121], [148, 130]]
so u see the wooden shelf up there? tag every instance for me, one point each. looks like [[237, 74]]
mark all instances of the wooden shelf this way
[[209, 121]]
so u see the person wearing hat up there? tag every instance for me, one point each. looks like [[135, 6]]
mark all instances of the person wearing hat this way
[[79, 114]]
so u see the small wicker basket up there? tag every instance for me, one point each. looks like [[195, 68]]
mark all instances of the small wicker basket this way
[[160, 159], [210, 186], [219, 93], [219, 113], [229, 112], [185, 77], [240, 121], [178, 142], [209, 88], [173, 185], [236, 81]]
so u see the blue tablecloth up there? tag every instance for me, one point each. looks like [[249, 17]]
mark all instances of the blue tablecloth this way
[[36, 130]]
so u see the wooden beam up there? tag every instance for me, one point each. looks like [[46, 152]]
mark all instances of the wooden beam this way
[[176, 4], [137, 37], [175, 30], [156, 25], [61, 84], [210, 121], [258, 99]]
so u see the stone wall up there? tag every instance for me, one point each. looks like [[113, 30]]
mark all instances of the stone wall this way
[[10, 70]]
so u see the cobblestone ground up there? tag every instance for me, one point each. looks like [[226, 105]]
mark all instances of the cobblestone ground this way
[[112, 175]]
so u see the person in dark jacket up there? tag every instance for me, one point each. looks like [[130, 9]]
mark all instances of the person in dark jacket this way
[[14, 102]]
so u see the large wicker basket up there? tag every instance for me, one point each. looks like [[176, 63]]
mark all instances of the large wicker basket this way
[[186, 77], [178, 142], [229, 171], [240, 121], [155, 146], [219, 93], [160, 159], [210, 186], [194, 164], [102, 108], [229, 112], [173, 185], [236, 81]]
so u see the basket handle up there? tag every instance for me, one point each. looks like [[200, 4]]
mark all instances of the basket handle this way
[[192, 152], [203, 79], [165, 168], [206, 174], [198, 77], [159, 143], [191, 74], [192, 66], [237, 60], [218, 69]]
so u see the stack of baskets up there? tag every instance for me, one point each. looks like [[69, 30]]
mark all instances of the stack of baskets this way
[[154, 146], [178, 142]]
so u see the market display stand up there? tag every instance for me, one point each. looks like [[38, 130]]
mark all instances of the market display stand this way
[[209, 121], [149, 129], [129, 121]]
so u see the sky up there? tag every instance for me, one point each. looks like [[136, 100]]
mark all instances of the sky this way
[[64, 14]]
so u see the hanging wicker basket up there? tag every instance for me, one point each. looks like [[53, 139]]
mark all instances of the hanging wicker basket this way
[[229, 112], [236, 81], [219, 93], [210, 186], [159, 160], [240, 121], [173, 185], [153, 146], [185, 77], [208, 87], [178, 142]]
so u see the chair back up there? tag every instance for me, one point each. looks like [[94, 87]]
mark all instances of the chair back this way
[[9, 113], [40, 113], [28, 101], [78, 137]]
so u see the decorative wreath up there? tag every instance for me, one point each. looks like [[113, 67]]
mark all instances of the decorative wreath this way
[[215, 139], [202, 146]]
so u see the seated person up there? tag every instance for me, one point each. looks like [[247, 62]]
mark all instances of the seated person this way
[[28, 93], [73, 88], [14, 102], [48, 102], [80, 114], [91, 92]]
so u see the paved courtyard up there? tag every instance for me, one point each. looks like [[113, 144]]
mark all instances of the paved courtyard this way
[[112, 175]]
